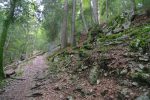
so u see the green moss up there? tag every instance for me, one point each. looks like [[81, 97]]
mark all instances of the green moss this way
[[110, 38], [88, 47], [104, 49], [141, 77], [116, 22], [83, 53], [54, 69], [141, 41], [94, 74]]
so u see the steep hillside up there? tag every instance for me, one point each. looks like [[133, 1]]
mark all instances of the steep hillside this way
[[106, 66]]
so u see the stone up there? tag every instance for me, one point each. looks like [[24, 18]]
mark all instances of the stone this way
[[141, 66], [105, 74], [9, 72], [84, 67], [56, 59], [98, 82], [125, 82], [142, 97], [144, 58], [134, 83], [94, 74], [141, 77], [116, 30], [2, 91], [126, 25], [124, 91], [57, 88], [124, 37], [61, 96], [69, 98], [124, 71]]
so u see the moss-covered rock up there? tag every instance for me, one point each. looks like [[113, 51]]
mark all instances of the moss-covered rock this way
[[143, 78], [94, 74], [140, 43]]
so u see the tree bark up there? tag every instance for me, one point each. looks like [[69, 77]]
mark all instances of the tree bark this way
[[4, 33], [73, 38], [107, 9], [83, 18], [64, 26], [95, 11]]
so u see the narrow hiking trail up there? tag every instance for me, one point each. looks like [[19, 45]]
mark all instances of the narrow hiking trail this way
[[23, 89]]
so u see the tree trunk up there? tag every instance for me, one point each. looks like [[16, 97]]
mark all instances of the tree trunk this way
[[95, 11], [83, 18], [107, 9], [73, 38], [133, 4], [64, 26], [3, 38], [99, 15]]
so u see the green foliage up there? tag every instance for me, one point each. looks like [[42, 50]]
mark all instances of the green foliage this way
[[139, 43], [141, 38], [104, 38]]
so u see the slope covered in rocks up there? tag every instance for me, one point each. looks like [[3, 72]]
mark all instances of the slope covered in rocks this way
[[105, 66]]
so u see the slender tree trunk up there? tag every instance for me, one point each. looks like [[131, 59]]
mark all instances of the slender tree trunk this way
[[73, 38], [95, 11], [3, 38], [107, 9], [91, 9], [64, 26], [83, 18], [99, 15]]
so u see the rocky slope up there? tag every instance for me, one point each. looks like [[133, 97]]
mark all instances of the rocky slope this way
[[105, 66]]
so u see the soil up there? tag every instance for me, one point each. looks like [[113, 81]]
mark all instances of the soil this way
[[20, 89]]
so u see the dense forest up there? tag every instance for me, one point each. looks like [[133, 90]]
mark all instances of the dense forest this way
[[75, 50]]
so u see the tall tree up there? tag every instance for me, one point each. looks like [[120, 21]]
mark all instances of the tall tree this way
[[146, 4], [64, 26], [94, 4], [4, 33], [83, 17], [73, 41], [107, 9]]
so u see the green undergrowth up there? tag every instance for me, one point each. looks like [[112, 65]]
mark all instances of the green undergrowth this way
[[135, 32], [138, 38]]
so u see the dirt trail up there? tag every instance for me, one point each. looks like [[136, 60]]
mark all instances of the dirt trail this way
[[22, 89]]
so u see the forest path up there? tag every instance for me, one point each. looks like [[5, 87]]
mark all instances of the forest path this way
[[24, 89]]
